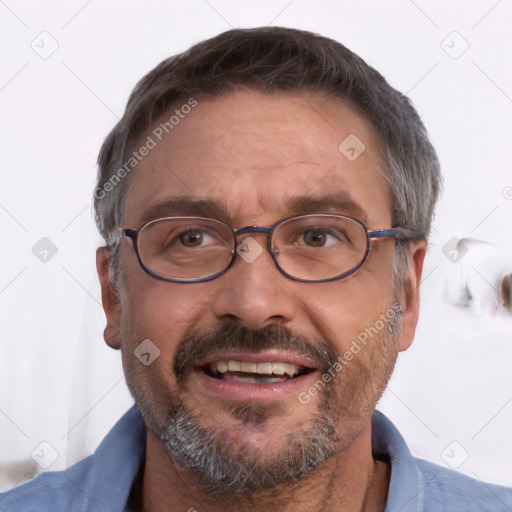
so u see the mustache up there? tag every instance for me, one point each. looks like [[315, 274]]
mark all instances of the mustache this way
[[196, 346]]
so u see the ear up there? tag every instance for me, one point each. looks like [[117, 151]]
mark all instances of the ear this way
[[410, 298], [109, 298]]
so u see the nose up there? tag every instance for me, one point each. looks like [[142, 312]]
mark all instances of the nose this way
[[253, 293]]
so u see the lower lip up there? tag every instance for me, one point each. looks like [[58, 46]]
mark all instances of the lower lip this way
[[251, 392]]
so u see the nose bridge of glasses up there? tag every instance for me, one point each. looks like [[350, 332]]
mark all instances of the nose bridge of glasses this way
[[253, 230]]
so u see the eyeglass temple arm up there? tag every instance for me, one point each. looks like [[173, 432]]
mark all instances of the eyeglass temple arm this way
[[398, 233], [131, 233], [128, 232]]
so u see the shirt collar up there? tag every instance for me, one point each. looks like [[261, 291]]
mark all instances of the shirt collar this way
[[121, 454], [115, 464], [405, 492]]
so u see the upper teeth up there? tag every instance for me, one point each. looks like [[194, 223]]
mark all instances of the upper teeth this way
[[263, 368]]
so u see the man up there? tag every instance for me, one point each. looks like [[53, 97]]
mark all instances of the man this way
[[265, 202]]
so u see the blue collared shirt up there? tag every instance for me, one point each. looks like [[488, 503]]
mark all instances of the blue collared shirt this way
[[103, 481]]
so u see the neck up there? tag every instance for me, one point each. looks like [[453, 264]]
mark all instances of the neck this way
[[351, 481]]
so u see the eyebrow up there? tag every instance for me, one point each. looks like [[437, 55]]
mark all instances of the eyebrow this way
[[185, 206], [339, 202]]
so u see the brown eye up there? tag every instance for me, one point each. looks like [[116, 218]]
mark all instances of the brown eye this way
[[191, 238], [321, 237], [315, 237]]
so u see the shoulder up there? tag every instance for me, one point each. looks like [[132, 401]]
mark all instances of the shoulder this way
[[88, 483], [420, 486], [449, 491]]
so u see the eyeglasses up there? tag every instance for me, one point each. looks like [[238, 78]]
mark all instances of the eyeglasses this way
[[309, 248]]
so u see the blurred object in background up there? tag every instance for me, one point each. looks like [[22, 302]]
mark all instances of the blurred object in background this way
[[506, 291], [13, 473], [474, 270]]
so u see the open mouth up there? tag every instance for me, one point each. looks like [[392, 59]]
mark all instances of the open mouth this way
[[254, 376], [270, 372]]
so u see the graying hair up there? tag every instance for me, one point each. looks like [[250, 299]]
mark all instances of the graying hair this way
[[276, 59]]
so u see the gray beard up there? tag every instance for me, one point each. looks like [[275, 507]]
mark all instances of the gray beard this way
[[224, 474], [343, 410]]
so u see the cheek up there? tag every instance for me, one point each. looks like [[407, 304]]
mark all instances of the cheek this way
[[161, 311], [341, 310], [150, 303], [154, 318]]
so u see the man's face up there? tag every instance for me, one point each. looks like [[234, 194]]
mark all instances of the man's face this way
[[256, 155]]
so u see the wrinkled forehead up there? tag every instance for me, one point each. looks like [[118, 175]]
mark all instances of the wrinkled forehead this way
[[251, 155]]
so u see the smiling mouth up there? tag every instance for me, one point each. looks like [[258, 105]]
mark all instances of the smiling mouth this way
[[254, 373]]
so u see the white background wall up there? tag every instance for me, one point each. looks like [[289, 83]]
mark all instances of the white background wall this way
[[61, 385]]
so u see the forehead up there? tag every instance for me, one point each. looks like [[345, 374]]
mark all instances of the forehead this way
[[260, 156]]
